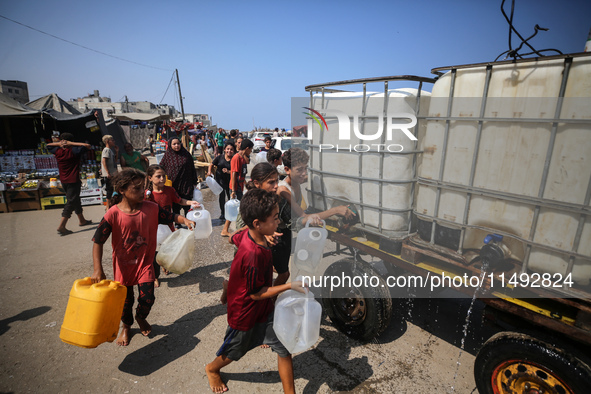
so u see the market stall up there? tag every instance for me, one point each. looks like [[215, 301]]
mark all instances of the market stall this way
[[28, 172]]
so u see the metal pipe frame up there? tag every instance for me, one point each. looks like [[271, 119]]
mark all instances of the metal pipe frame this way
[[443, 153], [365, 205], [508, 235], [413, 78], [554, 130], [439, 70], [507, 120], [558, 205], [475, 155]]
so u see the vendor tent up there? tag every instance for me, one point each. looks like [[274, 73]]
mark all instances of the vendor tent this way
[[53, 102], [11, 107], [22, 127]]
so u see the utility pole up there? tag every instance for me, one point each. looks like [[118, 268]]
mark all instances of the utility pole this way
[[185, 134]]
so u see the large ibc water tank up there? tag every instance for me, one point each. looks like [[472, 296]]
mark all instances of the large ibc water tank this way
[[376, 176], [507, 149]]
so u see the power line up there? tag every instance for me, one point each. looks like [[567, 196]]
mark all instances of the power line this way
[[169, 83], [82, 46]]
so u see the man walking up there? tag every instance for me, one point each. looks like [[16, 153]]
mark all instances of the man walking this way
[[68, 155]]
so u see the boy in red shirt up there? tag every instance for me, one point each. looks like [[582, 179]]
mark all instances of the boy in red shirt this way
[[238, 172], [238, 168], [251, 292]]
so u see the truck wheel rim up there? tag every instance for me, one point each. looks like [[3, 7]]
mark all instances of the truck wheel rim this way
[[520, 376], [351, 309]]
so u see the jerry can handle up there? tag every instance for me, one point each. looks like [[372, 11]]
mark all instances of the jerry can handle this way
[[323, 224]]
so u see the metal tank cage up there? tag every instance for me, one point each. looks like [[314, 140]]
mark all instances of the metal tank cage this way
[[324, 88], [583, 210], [538, 202]]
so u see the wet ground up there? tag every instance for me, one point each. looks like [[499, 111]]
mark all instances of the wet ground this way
[[419, 352]]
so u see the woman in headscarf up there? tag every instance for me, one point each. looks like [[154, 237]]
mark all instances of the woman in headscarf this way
[[180, 169]]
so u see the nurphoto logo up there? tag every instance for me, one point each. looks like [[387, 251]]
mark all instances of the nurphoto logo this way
[[399, 121]]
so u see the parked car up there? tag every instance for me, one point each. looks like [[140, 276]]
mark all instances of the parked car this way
[[284, 143], [258, 139], [281, 143]]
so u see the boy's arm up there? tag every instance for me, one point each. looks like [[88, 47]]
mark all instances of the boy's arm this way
[[180, 219], [167, 217], [342, 210], [97, 262], [234, 184], [273, 291], [193, 204], [70, 143]]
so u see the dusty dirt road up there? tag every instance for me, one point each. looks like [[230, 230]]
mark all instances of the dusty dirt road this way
[[419, 352]]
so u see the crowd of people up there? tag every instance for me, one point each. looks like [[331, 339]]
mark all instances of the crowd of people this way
[[139, 199]]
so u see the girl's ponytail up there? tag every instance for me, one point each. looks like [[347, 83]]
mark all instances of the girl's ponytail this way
[[116, 198], [250, 185]]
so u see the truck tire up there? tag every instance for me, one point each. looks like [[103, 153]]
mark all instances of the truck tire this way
[[361, 313], [511, 362]]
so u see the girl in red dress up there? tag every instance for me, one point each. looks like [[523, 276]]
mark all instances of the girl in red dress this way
[[134, 225]]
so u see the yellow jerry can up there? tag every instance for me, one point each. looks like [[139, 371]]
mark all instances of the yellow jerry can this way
[[93, 312]]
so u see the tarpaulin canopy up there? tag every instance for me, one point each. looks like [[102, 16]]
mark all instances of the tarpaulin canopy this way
[[23, 127], [11, 107], [53, 102], [133, 116]]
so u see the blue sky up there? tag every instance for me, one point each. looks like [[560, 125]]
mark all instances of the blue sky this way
[[242, 61]]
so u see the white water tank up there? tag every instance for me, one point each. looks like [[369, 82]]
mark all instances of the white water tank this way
[[527, 177], [378, 184]]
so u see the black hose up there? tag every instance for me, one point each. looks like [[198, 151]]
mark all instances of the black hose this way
[[514, 53]]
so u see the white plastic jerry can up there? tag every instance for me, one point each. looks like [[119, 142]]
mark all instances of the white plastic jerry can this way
[[202, 219], [297, 320], [309, 247], [213, 185], [231, 209]]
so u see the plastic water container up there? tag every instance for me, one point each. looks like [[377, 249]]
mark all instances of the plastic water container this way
[[163, 232], [197, 195], [92, 183], [309, 247], [176, 252], [231, 209], [297, 320], [261, 157], [213, 185], [93, 313], [202, 219]]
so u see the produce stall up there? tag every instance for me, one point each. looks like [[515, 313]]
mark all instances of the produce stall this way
[[29, 180]]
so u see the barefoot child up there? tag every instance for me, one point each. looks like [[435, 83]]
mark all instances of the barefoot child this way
[[134, 224], [164, 196], [264, 176], [250, 292]]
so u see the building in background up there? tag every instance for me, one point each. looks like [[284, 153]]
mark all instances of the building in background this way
[[17, 90]]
